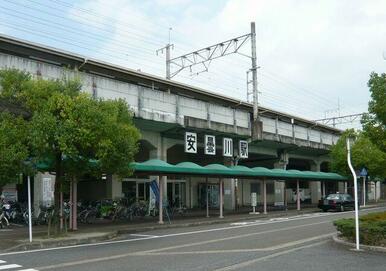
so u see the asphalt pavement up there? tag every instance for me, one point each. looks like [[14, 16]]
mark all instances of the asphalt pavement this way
[[299, 242]]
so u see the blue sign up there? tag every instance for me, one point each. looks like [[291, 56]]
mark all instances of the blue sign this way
[[155, 189], [363, 172]]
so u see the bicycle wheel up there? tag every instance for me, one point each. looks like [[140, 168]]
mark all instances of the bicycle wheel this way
[[90, 217]]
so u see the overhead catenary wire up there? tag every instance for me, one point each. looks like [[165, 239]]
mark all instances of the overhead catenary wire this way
[[47, 35], [229, 80], [214, 87], [290, 84], [95, 36], [126, 33]]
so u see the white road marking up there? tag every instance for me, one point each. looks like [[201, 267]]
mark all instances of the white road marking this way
[[4, 230], [143, 235], [274, 255], [277, 247], [154, 251], [9, 266], [279, 219], [174, 234], [229, 238]]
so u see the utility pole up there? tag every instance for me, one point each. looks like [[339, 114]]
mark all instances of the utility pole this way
[[254, 73], [167, 48]]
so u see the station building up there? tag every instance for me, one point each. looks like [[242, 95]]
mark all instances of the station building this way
[[166, 112]]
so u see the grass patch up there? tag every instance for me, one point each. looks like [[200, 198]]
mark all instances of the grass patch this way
[[372, 229]]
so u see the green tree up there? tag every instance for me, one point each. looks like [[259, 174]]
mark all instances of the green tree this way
[[374, 123], [13, 147], [79, 134], [364, 153]]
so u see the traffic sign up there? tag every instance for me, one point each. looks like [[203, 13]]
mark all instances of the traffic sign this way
[[363, 172]]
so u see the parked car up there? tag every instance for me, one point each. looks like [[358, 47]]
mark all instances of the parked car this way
[[337, 201]]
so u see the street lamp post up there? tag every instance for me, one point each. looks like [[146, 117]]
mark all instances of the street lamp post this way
[[355, 194]]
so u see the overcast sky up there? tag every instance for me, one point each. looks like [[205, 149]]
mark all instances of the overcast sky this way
[[313, 55]]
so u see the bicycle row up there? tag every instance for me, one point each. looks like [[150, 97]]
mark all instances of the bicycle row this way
[[87, 211]]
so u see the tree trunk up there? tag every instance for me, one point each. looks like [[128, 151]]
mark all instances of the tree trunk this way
[[55, 218]]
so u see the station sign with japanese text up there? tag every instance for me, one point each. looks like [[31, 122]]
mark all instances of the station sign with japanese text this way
[[191, 145], [210, 145], [190, 142]]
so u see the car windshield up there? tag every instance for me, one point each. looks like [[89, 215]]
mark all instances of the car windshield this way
[[333, 196]]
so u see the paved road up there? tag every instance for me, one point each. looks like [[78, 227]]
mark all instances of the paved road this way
[[293, 243]]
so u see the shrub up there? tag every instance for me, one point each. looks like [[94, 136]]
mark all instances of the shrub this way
[[372, 229]]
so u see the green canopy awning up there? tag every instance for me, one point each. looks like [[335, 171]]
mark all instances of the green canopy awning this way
[[188, 168]]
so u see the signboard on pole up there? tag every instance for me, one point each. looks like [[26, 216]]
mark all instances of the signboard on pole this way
[[227, 147], [48, 191], [210, 145], [253, 199], [190, 142]]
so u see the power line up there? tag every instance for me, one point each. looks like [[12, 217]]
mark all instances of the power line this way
[[48, 23], [288, 82], [49, 36], [230, 78], [99, 15], [126, 33]]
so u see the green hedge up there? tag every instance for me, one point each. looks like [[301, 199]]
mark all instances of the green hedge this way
[[372, 229]]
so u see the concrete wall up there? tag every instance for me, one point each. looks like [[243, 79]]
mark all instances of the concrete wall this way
[[161, 106]]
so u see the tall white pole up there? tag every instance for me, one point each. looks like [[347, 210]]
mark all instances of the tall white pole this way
[[29, 210], [297, 195], [355, 193], [364, 191], [221, 198]]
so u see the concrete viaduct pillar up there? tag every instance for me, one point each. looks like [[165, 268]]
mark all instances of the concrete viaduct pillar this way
[[279, 186], [316, 186]]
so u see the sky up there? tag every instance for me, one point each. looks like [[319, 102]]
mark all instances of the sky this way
[[315, 57]]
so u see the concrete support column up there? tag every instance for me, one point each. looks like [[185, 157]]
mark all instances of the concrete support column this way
[[190, 193], [316, 186], [279, 185], [265, 196], [160, 152], [297, 195], [316, 193], [345, 187], [221, 198], [207, 198], [114, 187], [229, 194], [341, 187], [324, 192]]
